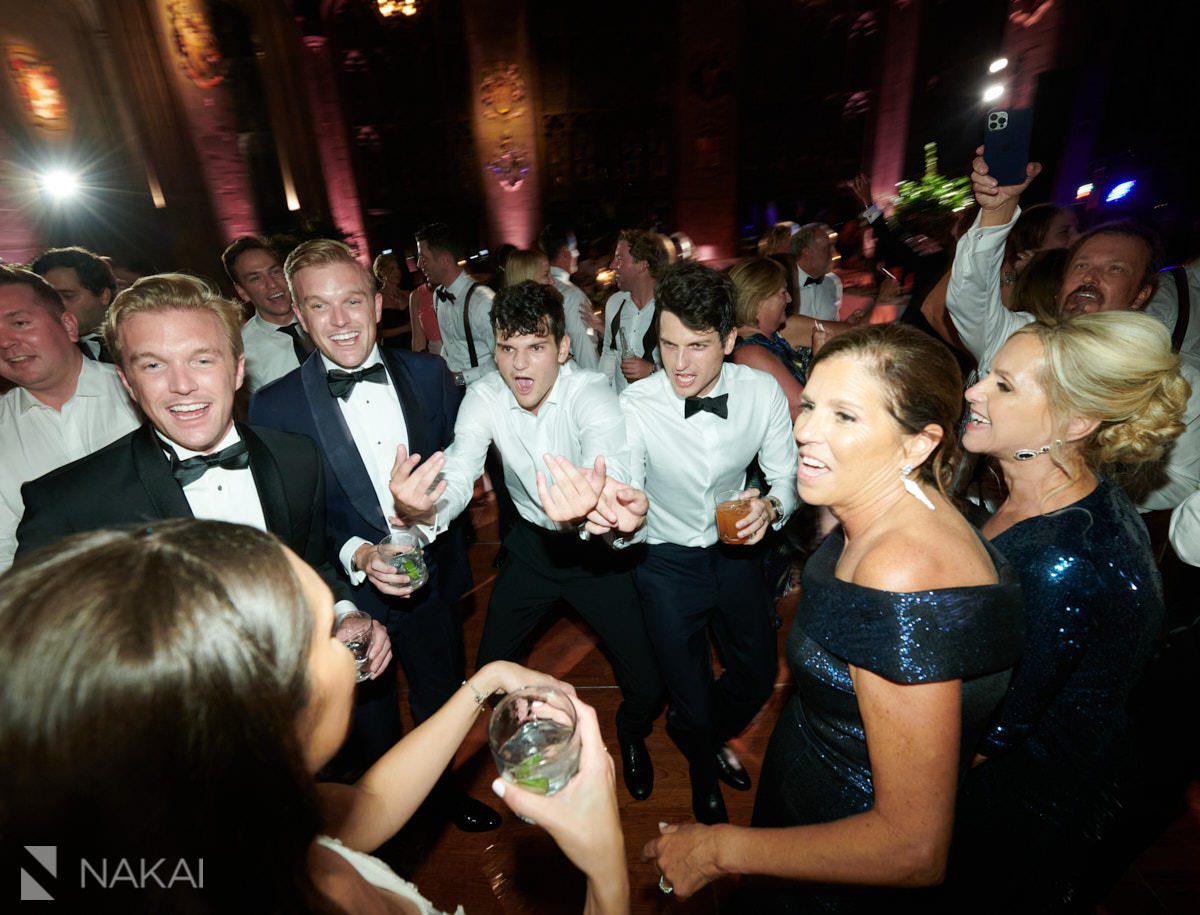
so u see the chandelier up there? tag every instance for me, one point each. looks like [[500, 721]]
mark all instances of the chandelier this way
[[390, 8]]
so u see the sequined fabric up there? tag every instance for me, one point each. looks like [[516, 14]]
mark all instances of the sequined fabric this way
[[816, 767], [1093, 608]]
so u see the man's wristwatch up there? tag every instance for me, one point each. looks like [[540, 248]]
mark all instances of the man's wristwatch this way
[[460, 380], [776, 505]]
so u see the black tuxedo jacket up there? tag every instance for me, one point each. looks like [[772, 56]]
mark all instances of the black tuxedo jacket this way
[[300, 402], [130, 481]]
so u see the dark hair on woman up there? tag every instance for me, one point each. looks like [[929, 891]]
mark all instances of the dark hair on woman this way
[[528, 308], [153, 680], [1029, 231], [701, 297], [922, 385], [1036, 287]]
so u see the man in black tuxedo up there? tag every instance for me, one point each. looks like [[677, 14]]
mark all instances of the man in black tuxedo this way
[[360, 404], [178, 348]]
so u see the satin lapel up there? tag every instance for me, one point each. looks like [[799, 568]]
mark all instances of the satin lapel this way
[[420, 439], [154, 470], [268, 480], [338, 445]]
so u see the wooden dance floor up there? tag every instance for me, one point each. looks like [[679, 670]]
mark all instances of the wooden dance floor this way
[[517, 869]]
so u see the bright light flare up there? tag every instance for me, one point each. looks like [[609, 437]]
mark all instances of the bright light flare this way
[[1083, 191], [997, 65], [60, 183], [993, 92], [1119, 192]]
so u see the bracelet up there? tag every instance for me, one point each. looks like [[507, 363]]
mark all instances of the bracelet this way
[[480, 699]]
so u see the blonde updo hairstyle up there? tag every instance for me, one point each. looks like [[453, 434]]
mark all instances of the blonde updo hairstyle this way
[[1117, 368]]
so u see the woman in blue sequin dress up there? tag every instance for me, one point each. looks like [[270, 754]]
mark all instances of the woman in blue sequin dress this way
[[1062, 403], [901, 650]]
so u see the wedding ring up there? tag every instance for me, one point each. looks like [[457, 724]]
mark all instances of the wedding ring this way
[[664, 886]]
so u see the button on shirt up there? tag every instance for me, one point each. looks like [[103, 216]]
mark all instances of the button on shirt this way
[[683, 463], [583, 338], [36, 438], [269, 353], [635, 322], [375, 419], [579, 419], [454, 339], [222, 494], [822, 300]]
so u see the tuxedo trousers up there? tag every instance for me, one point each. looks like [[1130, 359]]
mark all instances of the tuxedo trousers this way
[[688, 594], [542, 567]]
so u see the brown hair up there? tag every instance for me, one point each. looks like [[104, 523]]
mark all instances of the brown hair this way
[[155, 680], [754, 279], [172, 292], [650, 247], [922, 385], [240, 246], [1036, 287], [43, 293]]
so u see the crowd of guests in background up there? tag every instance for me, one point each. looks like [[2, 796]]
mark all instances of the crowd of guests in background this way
[[979, 478]]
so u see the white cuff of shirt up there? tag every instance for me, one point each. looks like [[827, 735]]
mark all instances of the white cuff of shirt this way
[[871, 213], [346, 557], [342, 607]]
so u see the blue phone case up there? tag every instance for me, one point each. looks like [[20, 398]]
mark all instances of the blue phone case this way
[[1006, 143]]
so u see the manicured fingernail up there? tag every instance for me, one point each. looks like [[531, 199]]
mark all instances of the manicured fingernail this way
[[498, 787]]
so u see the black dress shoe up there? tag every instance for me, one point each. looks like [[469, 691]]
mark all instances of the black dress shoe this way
[[637, 768], [707, 804], [736, 778], [471, 815]]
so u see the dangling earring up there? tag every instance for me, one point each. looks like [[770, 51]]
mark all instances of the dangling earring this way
[[1028, 454], [914, 488]]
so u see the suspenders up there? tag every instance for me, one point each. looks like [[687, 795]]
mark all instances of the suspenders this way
[[467, 326]]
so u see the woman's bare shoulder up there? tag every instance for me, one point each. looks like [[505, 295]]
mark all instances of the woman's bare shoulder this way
[[926, 556]]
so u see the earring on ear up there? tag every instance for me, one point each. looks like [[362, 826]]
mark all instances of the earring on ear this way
[[1028, 454], [914, 489]]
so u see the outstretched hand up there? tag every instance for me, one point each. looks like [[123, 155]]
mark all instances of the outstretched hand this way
[[416, 490], [621, 508], [574, 492]]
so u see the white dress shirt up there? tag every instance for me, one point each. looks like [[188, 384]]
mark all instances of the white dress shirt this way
[[1185, 529], [682, 464], [822, 300], [36, 438], [580, 419], [454, 339], [222, 494], [375, 419], [230, 495], [984, 325], [270, 353], [1164, 305], [92, 342], [635, 322], [583, 338]]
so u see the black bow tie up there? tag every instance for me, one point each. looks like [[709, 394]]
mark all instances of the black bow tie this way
[[814, 281], [235, 457], [342, 383], [301, 344], [443, 295], [715, 405]]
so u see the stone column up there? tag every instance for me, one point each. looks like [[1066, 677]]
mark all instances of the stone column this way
[[329, 127], [894, 106], [706, 126], [505, 119]]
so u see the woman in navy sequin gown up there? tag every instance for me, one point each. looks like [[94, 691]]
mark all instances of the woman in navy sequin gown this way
[[1063, 402], [901, 650]]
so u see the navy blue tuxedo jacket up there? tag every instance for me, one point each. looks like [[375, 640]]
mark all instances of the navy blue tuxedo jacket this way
[[300, 402]]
